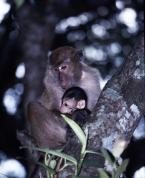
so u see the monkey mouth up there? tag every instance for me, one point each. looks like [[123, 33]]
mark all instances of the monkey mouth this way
[[63, 81], [64, 84]]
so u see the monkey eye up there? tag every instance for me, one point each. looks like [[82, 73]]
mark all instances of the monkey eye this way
[[63, 67], [65, 104]]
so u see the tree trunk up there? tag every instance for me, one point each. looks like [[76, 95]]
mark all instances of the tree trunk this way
[[37, 27], [118, 110], [121, 104]]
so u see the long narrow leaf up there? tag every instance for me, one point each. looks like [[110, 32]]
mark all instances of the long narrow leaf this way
[[19, 3], [102, 174], [107, 156], [85, 177], [49, 169], [121, 168], [55, 153], [93, 152], [77, 130]]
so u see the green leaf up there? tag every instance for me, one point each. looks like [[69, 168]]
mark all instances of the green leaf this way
[[68, 164], [93, 152], [56, 153], [53, 164], [19, 3], [107, 156], [85, 177], [121, 168], [77, 130], [50, 170], [102, 174]]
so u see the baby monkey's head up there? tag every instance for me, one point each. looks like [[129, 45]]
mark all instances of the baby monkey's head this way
[[74, 98]]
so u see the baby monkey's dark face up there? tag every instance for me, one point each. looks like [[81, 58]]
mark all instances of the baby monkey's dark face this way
[[69, 105]]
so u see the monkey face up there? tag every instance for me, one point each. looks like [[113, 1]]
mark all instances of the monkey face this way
[[68, 106], [65, 74], [66, 61]]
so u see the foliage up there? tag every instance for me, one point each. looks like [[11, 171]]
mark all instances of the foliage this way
[[56, 161], [116, 168], [19, 3]]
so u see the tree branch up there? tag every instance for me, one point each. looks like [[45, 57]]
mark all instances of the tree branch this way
[[118, 110], [121, 105]]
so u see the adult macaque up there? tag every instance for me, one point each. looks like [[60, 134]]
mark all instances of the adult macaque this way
[[65, 70], [67, 65]]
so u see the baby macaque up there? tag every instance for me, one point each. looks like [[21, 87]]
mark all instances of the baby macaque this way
[[74, 103]]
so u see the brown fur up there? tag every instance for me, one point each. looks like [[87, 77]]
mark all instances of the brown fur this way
[[45, 126]]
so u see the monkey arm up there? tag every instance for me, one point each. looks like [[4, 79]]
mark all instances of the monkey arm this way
[[46, 127]]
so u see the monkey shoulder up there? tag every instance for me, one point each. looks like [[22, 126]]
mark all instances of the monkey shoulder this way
[[90, 70], [92, 75], [81, 116], [90, 82], [83, 112]]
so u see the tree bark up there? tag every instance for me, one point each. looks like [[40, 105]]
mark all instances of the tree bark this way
[[121, 104], [37, 28], [118, 110]]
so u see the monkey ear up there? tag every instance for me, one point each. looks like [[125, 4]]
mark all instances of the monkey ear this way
[[49, 53], [81, 104]]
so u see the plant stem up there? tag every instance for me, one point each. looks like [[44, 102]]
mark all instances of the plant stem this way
[[80, 164]]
